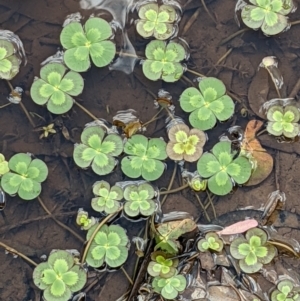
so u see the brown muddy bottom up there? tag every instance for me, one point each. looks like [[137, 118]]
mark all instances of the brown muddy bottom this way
[[25, 225]]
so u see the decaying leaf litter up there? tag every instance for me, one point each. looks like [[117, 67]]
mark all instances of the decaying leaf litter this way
[[62, 148]]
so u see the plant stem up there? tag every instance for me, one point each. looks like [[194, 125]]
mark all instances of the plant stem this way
[[170, 184], [86, 111], [7, 104], [86, 249], [153, 118], [195, 73], [220, 60], [233, 36], [127, 276], [202, 206], [22, 105], [58, 222], [13, 251], [295, 22], [129, 55], [211, 204], [174, 190], [278, 244], [207, 11]]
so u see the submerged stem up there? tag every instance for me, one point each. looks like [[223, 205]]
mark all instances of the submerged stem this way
[[195, 73], [127, 276], [207, 11], [58, 222], [86, 110], [7, 104], [170, 184], [86, 249], [239, 32], [174, 190], [211, 204], [13, 251], [153, 118], [202, 206], [21, 104]]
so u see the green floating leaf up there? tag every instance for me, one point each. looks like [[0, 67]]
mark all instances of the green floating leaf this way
[[88, 42], [55, 88], [25, 177], [208, 104]]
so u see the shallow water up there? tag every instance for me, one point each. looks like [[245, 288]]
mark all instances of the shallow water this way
[[25, 226]]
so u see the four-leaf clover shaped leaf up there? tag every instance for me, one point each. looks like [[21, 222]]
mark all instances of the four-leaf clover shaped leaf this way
[[139, 200], [210, 242], [107, 199], [59, 277], [185, 144], [97, 151], [90, 41], [286, 292], [25, 176], [157, 21], [170, 287], [269, 15], [144, 158], [56, 88], [108, 246], [163, 61], [283, 121], [220, 167], [207, 105], [9, 62], [3, 165], [161, 265], [252, 251]]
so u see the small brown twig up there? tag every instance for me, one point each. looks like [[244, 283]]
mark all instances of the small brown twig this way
[[207, 11], [222, 58], [233, 36], [58, 222], [86, 110], [13, 251], [202, 206], [170, 184], [174, 190]]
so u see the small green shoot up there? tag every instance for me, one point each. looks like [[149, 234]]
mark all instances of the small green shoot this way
[[169, 288], [157, 21], [9, 62], [84, 221], [207, 105], [107, 199], [285, 292], [185, 144], [97, 151], [109, 246], [81, 43], [59, 277], [211, 242], [269, 15], [220, 167], [283, 121], [56, 88], [3, 165], [253, 251], [139, 200], [163, 61], [161, 265], [144, 158], [25, 177]]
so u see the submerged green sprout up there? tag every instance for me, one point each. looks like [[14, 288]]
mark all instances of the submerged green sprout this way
[[139, 200], [283, 121], [169, 288], [56, 88], [90, 41], [207, 105], [144, 157], [84, 221], [285, 292], [253, 251], [185, 144], [9, 62], [210, 242], [59, 277], [109, 246], [97, 151], [269, 15], [161, 265], [157, 21], [163, 61], [25, 176], [3, 165], [220, 167], [107, 199]]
